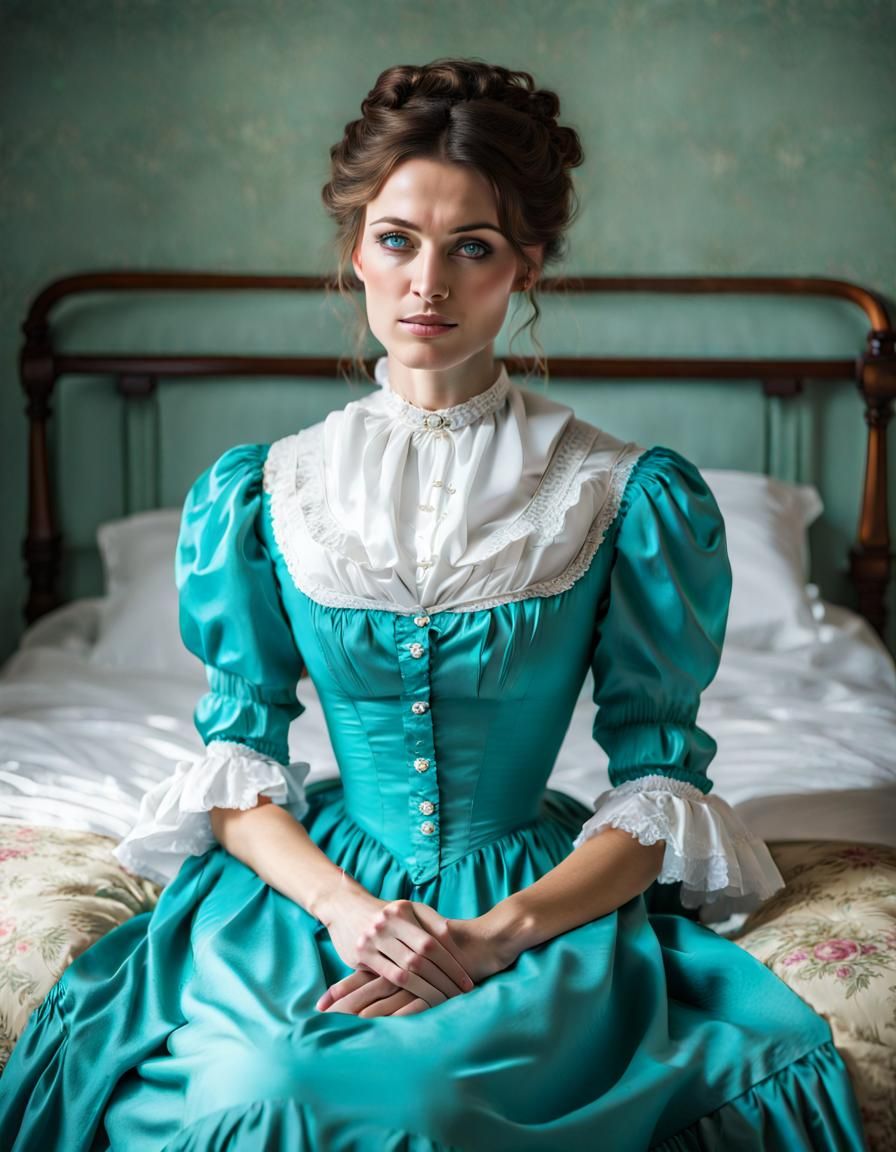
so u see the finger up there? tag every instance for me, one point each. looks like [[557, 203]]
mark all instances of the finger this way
[[445, 953], [406, 979], [375, 990], [417, 1005], [426, 932], [390, 958], [384, 948], [389, 1005], [343, 988], [437, 927], [420, 973]]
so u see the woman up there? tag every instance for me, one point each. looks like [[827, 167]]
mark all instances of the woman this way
[[447, 556]]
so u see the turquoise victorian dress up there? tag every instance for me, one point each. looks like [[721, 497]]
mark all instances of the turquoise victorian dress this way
[[447, 578]]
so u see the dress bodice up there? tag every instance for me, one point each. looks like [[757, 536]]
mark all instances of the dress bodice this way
[[447, 690], [448, 678], [446, 725]]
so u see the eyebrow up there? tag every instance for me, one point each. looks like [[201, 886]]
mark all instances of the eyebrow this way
[[414, 228]]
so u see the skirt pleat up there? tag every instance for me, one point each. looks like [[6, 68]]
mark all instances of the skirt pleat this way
[[194, 1027]]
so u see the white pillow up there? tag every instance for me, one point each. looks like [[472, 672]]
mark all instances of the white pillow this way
[[766, 524], [139, 625]]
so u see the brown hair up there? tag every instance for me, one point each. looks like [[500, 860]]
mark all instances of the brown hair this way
[[464, 112]]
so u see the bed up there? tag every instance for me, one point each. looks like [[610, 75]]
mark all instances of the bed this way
[[96, 704]]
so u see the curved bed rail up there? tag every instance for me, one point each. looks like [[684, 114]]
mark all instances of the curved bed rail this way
[[873, 369]]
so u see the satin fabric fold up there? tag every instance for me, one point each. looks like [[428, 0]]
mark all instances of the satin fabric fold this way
[[195, 1027], [655, 591]]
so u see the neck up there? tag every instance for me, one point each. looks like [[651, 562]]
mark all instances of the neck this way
[[432, 389]]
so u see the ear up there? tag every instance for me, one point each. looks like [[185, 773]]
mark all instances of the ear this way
[[528, 276], [356, 264]]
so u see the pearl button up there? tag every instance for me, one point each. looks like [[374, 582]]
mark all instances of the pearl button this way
[[421, 764], [417, 650], [427, 807], [419, 707], [420, 621], [434, 422], [427, 828]]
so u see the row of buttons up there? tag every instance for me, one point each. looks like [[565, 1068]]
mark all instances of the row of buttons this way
[[419, 707], [450, 489], [435, 422]]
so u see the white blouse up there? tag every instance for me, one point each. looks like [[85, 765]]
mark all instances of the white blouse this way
[[390, 506], [386, 505]]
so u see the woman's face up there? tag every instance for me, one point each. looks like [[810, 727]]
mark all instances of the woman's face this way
[[431, 243]]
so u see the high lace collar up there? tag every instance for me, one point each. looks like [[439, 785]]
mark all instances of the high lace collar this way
[[457, 416]]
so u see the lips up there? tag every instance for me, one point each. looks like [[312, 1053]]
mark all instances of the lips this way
[[428, 328], [430, 318]]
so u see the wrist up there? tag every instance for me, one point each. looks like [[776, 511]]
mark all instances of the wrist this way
[[510, 926], [327, 905]]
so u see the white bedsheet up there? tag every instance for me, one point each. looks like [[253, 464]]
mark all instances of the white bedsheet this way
[[806, 737]]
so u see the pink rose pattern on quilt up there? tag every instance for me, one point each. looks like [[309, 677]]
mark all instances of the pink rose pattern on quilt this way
[[60, 891], [830, 934]]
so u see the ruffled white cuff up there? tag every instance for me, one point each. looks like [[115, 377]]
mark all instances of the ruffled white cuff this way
[[708, 847], [174, 820]]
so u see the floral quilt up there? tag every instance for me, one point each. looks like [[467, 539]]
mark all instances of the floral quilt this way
[[830, 935]]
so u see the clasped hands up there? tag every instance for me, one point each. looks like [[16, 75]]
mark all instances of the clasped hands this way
[[407, 956]]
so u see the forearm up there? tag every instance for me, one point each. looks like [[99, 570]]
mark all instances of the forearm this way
[[599, 876], [271, 842]]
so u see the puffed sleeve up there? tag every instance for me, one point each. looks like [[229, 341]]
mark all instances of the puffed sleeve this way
[[232, 619], [658, 644]]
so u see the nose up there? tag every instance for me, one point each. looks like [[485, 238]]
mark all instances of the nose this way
[[430, 279]]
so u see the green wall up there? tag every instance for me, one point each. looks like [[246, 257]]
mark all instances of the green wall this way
[[721, 137]]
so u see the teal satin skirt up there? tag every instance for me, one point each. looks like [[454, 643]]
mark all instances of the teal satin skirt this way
[[194, 1027]]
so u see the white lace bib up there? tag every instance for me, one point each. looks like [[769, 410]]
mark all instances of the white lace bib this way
[[384, 504]]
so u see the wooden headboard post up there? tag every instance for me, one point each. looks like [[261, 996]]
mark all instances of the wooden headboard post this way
[[870, 557], [40, 366], [42, 547]]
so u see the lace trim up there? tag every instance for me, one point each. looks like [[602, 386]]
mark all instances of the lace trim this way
[[293, 479], [619, 476], [457, 416], [174, 819], [709, 850], [658, 783], [542, 518]]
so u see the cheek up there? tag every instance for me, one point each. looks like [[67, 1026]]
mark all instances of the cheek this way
[[490, 289], [379, 277], [485, 288]]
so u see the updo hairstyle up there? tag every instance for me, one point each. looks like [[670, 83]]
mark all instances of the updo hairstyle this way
[[464, 112]]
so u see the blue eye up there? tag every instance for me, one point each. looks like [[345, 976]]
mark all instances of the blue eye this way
[[483, 249], [391, 236]]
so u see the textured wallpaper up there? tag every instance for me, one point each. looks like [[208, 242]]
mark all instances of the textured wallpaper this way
[[721, 137]]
